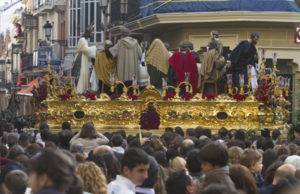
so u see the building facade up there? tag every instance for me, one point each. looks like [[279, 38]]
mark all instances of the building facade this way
[[193, 21]]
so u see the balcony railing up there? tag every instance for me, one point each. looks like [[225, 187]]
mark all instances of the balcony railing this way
[[46, 5]]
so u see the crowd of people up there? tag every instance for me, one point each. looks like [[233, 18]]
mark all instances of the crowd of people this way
[[179, 161]]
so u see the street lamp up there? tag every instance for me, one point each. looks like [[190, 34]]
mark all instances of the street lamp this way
[[48, 28]]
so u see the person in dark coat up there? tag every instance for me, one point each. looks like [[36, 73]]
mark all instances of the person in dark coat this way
[[244, 53]]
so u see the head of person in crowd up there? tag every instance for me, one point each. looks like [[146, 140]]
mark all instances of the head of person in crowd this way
[[190, 132], [12, 139], [88, 131], [234, 155], [207, 133], [169, 129], [15, 151], [125, 32], [113, 166], [276, 135], [45, 134], [180, 183], [254, 37], [3, 150], [51, 170], [65, 137], [116, 140], [177, 163], [134, 166], [281, 150], [270, 172], [214, 34], [293, 160], [44, 126], [193, 164], [94, 180], [269, 157], [252, 159], [150, 182], [213, 156], [24, 140], [296, 129], [161, 158], [186, 146], [16, 182], [220, 189], [66, 125], [179, 131], [198, 131], [223, 133], [242, 178]]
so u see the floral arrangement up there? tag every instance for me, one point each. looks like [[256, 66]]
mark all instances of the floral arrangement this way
[[150, 118], [114, 96], [187, 96], [239, 97], [132, 96], [209, 97], [65, 96], [42, 92], [169, 96], [263, 92], [90, 95]]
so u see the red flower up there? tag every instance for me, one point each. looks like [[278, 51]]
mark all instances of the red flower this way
[[90, 95], [114, 96], [132, 96], [150, 118], [187, 96], [169, 96], [239, 97], [209, 97], [65, 96]]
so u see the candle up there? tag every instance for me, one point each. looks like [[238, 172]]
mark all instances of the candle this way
[[288, 85], [274, 57], [229, 79], [278, 81], [263, 54], [72, 81], [164, 82], [242, 81], [112, 78], [187, 76], [134, 80]]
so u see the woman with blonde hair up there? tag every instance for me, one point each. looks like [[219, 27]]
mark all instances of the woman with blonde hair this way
[[89, 137], [93, 178]]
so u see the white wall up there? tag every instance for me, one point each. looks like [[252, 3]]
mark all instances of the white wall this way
[[6, 14]]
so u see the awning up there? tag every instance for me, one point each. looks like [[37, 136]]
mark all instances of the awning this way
[[26, 91]]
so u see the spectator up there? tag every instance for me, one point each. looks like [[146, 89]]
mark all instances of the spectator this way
[[117, 142], [252, 159], [89, 137], [234, 155], [193, 164], [297, 130], [177, 163], [242, 178], [293, 160], [12, 139], [135, 164], [23, 140], [16, 182], [179, 182], [214, 160], [66, 126], [148, 185], [93, 178], [51, 172], [65, 137], [276, 136]]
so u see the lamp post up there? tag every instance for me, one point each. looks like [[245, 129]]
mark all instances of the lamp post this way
[[48, 28]]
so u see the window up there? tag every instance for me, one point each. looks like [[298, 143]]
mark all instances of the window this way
[[82, 14]]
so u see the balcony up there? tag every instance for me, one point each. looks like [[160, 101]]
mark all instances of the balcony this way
[[42, 7]]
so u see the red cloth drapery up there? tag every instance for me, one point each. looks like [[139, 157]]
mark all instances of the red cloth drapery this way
[[189, 66]]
